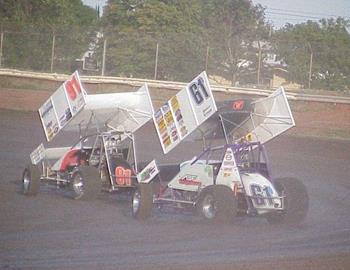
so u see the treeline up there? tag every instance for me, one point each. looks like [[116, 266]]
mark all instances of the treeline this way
[[233, 34]]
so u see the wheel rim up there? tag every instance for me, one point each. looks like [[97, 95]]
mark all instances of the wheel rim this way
[[26, 181], [209, 208], [136, 202], [78, 185]]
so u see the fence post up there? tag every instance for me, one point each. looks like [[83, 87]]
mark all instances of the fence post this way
[[259, 63], [207, 59], [104, 57], [53, 50], [156, 62], [1, 46], [311, 60]]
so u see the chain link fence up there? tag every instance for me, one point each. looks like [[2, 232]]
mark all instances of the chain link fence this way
[[41, 50], [170, 56]]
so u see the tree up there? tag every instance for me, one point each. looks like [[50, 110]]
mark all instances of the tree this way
[[133, 28], [183, 30], [30, 25], [328, 41], [232, 26]]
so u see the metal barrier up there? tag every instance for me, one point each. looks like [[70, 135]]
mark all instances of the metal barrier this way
[[169, 85]]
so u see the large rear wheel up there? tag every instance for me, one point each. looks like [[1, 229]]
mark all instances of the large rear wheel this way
[[296, 202], [31, 180], [142, 201], [218, 205]]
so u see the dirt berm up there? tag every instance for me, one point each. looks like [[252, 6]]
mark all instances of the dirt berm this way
[[318, 119]]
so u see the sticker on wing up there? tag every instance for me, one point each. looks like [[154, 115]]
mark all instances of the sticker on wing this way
[[62, 106], [184, 112]]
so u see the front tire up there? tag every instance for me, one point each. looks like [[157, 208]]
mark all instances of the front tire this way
[[296, 202], [142, 201], [31, 180], [85, 183], [218, 205]]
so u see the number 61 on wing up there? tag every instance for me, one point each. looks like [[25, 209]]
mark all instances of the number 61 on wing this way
[[201, 98], [184, 112]]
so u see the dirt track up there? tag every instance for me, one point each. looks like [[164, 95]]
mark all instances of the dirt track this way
[[53, 232]]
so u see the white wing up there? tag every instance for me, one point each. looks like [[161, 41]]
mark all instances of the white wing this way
[[270, 117]]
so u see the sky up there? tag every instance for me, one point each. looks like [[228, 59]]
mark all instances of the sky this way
[[280, 12]]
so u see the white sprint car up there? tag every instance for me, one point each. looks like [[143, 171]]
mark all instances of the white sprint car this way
[[226, 180]]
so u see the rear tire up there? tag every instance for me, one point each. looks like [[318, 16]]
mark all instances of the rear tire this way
[[296, 202], [31, 180], [85, 183], [142, 201], [218, 205]]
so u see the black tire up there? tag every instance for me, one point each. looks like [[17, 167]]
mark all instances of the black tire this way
[[296, 202], [31, 180], [142, 201], [85, 183], [218, 204]]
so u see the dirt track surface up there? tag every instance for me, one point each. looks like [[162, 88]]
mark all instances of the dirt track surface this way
[[50, 231]]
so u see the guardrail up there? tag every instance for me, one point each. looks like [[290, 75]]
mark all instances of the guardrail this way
[[172, 85]]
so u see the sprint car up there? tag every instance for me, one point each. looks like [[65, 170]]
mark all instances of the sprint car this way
[[102, 155], [231, 179]]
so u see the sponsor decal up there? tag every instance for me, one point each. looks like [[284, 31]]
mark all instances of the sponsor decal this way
[[162, 126], [175, 106], [166, 126], [74, 93], [148, 173], [190, 180], [209, 170], [238, 105], [169, 118], [47, 108], [183, 131], [174, 103], [179, 116], [207, 111], [51, 129], [65, 117], [73, 88], [38, 154], [229, 163], [167, 140], [158, 115], [228, 155]]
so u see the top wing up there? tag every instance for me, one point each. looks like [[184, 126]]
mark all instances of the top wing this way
[[124, 112], [71, 108], [269, 117], [230, 112]]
